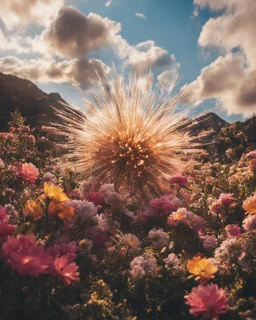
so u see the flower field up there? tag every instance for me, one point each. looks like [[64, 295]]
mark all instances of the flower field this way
[[72, 249]]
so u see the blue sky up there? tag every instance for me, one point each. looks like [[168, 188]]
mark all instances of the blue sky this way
[[175, 26]]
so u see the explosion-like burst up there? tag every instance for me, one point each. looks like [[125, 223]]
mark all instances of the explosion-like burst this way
[[128, 135]]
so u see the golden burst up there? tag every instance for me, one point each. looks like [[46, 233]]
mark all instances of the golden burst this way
[[128, 135]]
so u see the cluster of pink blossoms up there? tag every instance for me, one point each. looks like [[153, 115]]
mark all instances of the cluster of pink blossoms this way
[[27, 258]]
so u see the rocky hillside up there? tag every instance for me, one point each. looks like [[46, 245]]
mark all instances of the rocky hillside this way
[[25, 96]]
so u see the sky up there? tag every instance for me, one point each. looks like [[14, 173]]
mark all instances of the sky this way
[[209, 44]]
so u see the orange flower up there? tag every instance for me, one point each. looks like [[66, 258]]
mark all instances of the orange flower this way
[[55, 193], [249, 204], [33, 209], [201, 268], [61, 210]]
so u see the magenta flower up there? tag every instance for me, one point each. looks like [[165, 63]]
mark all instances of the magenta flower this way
[[6, 230], [28, 172], [67, 271], [163, 205], [249, 223], [227, 198], [179, 179], [207, 301], [25, 256], [68, 249], [251, 155], [209, 242], [3, 215], [96, 198], [233, 230]]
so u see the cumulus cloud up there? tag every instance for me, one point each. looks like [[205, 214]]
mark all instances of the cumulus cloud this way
[[16, 43], [15, 13], [147, 55], [73, 34], [230, 79], [230, 82], [140, 15], [165, 77], [79, 72]]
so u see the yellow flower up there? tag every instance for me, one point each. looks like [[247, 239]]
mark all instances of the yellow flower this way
[[55, 193], [33, 209], [201, 268], [249, 204], [61, 210]]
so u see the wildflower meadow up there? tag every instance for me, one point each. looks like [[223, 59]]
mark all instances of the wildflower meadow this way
[[83, 249]]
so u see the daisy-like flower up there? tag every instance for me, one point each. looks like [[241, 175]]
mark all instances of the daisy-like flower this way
[[54, 192], [249, 223], [159, 238], [207, 301], [67, 271], [201, 268], [131, 241], [172, 261], [209, 242], [249, 204], [28, 172], [144, 265], [33, 209], [230, 249]]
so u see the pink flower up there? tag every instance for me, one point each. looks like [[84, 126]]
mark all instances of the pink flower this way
[[67, 271], [217, 207], [131, 241], [208, 301], [209, 242], [179, 179], [68, 249], [6, 230], [249, 223], [162, 204], [96, 198], [3, 215], [227, 198], [28, 172], [25, 256], [233, 230], [251, 155]]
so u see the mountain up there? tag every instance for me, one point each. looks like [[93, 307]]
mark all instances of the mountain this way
[[24, 96]]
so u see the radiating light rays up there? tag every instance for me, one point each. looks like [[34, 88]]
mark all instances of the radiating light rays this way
[[128, 135]]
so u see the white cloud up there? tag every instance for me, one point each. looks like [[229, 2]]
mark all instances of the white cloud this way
[[108, 3], [140, 15], [166, 77], [16, 13], [230, 79], [79, 72]]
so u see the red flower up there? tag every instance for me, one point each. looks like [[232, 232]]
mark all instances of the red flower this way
[[67, 271]]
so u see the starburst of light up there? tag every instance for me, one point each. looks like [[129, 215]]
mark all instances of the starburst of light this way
[[128, 134]]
